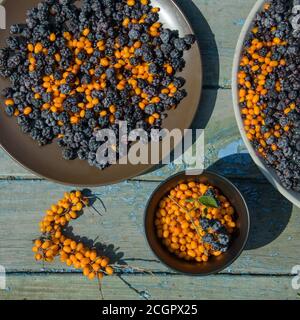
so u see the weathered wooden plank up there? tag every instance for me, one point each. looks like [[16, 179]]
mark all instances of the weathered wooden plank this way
[[66, 287], [221, 135], [273, 247]]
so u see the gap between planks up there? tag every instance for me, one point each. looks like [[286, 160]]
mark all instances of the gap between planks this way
[[154, 273], [37, 179]]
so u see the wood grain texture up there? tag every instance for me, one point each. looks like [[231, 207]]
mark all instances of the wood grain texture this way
[[273, 244], [39, 287]]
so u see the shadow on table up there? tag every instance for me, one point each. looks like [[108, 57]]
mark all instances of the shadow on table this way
[[270, 212], [110, 250], [210, 61], [211, 66]]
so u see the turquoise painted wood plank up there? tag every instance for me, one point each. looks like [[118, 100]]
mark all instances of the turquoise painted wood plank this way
[[273, 247], [66, 287]]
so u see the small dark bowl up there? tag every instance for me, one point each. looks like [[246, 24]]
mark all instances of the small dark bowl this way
[[214, 264]]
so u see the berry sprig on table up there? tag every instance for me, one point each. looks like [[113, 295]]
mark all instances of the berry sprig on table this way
[[53, 243]]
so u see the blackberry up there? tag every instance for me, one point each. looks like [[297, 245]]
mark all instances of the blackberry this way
[[208, 238], [190, 39], [215, 225], [14, 61], [10, 111], [16, 29], [134, 61], [179, 82], [180, 44], [13, 43], [68, 154], [134, 34], [7, 92], [204, 223], [180, 95], [150, 109], [103, 122], [223, 239], [83, 154], [110, 73]]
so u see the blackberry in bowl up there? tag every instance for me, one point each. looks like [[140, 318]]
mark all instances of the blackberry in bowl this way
[[266, 96]]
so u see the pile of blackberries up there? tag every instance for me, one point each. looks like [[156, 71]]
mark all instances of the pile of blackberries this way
[[77, 69], [217, 236], [269, 88]]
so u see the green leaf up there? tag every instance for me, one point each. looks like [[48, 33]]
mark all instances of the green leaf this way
[[209, 201]]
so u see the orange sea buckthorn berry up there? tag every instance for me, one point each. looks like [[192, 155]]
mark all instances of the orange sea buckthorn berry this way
[[92, 276], [52, 37], [104, 62], [86, 31], [38, 48], [9, 102], [27, 110], [130, 3], [104, 262]]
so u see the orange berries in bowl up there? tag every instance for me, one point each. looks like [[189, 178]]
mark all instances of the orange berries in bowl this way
[[197, 224]]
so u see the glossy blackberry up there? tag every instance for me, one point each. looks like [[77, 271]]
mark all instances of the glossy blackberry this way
[[68, 154], [208, 238], [204, 223], [16, 29], [150, 109], [215, 225], [10, 111], [223, 239], [190, 39]]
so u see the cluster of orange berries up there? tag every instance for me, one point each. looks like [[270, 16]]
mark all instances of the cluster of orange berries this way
[[53, 243], [178, 221], [251, 91]]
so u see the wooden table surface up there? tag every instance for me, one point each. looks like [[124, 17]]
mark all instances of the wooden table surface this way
[[263, 270]]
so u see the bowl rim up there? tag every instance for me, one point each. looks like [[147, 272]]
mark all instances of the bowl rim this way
[[268, 172], [248, 219]]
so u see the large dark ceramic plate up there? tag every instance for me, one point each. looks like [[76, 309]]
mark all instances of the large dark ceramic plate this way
[[47, 161]]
